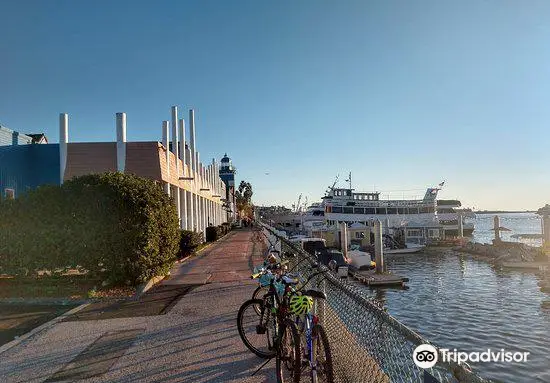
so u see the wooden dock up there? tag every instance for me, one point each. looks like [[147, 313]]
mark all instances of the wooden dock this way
[[370, 278], [527, 265]]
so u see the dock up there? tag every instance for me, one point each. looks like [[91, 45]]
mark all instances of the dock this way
[[526, 265], [370, 278]]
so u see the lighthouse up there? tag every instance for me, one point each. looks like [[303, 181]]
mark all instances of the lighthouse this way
[[227, 174]]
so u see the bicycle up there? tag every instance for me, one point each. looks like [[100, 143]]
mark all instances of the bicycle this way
[[317, 354]]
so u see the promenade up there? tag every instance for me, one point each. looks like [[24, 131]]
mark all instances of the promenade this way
[[195, 340]]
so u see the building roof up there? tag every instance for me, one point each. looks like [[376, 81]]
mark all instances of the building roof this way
[[38, 138]]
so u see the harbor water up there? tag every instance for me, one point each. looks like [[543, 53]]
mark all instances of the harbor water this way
[[461, 303]]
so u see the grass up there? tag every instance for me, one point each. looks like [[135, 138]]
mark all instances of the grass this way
[[67, 286]]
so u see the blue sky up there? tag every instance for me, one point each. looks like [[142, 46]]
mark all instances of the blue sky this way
[[404, 94]]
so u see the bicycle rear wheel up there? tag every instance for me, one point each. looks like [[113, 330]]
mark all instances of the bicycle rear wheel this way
[[258, 294], [288, 362], [257, 331], [321, 355]]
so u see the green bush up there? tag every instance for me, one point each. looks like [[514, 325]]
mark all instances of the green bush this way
[[120, 227], [189, 241]]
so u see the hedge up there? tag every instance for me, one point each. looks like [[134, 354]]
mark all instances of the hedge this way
[[189, 241], [120, 227]]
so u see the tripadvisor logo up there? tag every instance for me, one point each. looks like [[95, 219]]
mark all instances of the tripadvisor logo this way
[[426, 356]]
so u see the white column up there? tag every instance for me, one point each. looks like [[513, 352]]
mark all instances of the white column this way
[[460, 226], [63, 140], [165, 142], [177, 197], [121, 141], [198, 185], [182, 158], [378, 248]]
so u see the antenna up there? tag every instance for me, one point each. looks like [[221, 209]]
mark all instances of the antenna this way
[[349, 180]]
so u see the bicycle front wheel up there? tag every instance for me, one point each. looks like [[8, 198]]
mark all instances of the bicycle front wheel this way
[[257, 331], [289, 358], [322, 356]]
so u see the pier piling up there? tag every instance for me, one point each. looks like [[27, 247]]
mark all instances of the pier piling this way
[[378, 248]]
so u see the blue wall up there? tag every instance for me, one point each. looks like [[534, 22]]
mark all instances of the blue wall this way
[[26, 167]]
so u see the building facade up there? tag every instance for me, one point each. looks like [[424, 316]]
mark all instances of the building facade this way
[[196, 188]]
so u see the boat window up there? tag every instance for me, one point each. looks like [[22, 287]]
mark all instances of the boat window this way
[[370, 210], [348, 193], [413, 210], [426, 210], [392, 210], [414, 233], [358, 210], [402, 210], [380, 210], [348, 210], [336, 209]]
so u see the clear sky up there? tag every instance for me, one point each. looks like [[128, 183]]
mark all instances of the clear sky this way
[[404, 94]]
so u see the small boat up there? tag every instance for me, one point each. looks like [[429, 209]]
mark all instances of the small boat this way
[[360, 260], [409, 248]]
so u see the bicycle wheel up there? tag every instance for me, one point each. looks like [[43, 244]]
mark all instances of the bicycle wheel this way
[[288, 362], [257, 331], [321, 355], [259, 294]]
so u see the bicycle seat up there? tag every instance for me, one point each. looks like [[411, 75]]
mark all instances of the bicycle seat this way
[[315, 294]]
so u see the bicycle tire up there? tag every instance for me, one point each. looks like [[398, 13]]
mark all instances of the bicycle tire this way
[[319, 334], [266, 352], [259, 294], [295, 364]]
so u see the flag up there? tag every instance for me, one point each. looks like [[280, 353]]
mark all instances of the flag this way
[[441, 184]]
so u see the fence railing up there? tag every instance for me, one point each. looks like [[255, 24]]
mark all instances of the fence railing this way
[[367, 343]]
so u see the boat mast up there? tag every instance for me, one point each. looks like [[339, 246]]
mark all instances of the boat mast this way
[[349, 180]]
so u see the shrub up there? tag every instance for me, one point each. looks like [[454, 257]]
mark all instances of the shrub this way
[[189, 241], [119, 226]]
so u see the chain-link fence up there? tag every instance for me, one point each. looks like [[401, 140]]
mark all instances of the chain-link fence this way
[[367, 344]]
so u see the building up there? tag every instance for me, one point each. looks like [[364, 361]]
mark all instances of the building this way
[[174, 163], [227, 174]]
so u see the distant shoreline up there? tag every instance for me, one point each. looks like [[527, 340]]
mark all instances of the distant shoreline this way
[[503, 211]]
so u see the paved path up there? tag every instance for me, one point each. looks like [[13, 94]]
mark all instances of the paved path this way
[[196, 341]]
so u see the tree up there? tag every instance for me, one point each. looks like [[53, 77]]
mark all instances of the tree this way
[[243, 196]]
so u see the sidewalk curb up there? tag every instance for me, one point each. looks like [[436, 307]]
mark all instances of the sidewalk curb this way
[[41, 328]]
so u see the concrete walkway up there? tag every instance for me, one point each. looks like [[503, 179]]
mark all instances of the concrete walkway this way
[[196, 341]]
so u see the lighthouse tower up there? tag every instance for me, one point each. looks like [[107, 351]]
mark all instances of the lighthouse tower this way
[[227, 174]]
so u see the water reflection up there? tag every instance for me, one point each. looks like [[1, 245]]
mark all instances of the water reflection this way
[[462, 303]]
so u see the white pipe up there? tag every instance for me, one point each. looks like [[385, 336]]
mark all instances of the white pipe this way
[[192, 138], [181, 152], [121, 141], [63, 140], [182, 144], [165, 142], [175, 137]]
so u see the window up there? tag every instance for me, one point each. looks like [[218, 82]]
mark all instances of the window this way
[[414, 233], [402, 210], [380, 210], [413, 210], [9, 193], [358, 210], [392, 210], [370, 210], [348, 210], [427, 210], [360, 234], [336, 209]]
